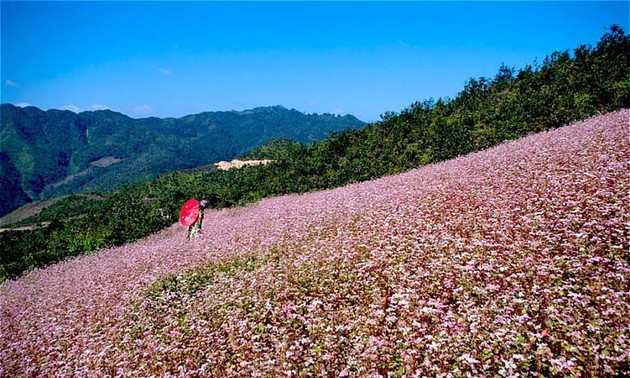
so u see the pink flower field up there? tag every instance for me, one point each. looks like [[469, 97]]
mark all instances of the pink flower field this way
[[511, 262]]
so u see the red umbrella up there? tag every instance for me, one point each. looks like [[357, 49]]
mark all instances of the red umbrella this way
[[189, 212]]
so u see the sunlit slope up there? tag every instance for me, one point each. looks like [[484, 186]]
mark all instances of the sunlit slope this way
[[512, 260]]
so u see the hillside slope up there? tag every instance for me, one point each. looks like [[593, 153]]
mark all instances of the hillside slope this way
[[566, 87], [511, 260], [44, 154]]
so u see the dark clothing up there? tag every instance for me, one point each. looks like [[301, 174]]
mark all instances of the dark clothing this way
[[196, 226]]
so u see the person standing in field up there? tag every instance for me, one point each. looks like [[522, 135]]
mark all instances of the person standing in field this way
[[194, 228]]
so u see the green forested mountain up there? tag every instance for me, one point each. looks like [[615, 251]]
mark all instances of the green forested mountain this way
[[50, 153], [566, 87]]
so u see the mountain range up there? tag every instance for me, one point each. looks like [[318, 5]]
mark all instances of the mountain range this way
[[44, 154]]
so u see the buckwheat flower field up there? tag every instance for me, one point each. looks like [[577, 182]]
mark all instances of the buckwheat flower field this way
[[511, 262]]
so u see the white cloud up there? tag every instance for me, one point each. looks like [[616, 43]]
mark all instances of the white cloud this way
[[10, 83], [338, 111], [143, 109], [99, 107], [22, 104], [71, 107], [165, 71]]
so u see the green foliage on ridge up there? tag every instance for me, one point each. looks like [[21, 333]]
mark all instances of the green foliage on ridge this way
[[45, 154], [277, 149], [565, 88]]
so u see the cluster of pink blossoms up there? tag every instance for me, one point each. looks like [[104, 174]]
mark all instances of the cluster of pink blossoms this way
[[511, 262]]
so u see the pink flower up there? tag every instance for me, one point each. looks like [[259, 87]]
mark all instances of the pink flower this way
[[377, 274]]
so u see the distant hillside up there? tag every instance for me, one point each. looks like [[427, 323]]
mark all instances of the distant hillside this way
[[50, 153]]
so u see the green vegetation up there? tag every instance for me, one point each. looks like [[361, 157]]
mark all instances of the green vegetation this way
[[565, 88], [190, 282], [277, 149], [45, 154]]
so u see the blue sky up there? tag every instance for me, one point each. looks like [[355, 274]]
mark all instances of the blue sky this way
[[169, 59]]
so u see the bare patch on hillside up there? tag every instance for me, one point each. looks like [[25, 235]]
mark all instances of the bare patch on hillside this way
[[34, 208], [225, 165], [27, 210], [105, 162]]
